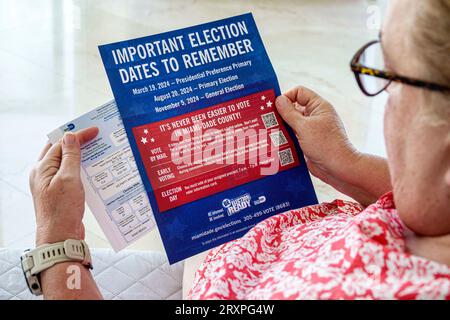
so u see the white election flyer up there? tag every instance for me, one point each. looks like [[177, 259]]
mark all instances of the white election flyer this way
[[113, 187]]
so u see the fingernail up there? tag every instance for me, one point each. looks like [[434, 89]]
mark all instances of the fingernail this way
[[282, 101], [69, 138]]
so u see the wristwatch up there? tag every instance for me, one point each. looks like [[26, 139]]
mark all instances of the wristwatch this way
[[45, 256]]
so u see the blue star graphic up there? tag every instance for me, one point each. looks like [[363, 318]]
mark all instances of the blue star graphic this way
[[176, 229]]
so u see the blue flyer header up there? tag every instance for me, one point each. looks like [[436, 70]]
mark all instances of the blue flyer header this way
[[198, 108]]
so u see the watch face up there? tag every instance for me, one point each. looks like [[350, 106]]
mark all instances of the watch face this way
[[32, 281], [23, 271]]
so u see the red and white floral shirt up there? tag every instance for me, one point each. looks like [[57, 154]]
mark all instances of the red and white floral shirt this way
[[328, 251]]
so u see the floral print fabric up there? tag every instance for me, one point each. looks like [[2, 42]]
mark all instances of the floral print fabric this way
[[332, 250]]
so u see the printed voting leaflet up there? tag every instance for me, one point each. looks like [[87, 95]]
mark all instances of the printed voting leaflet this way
[[113, 188], [198, 107]]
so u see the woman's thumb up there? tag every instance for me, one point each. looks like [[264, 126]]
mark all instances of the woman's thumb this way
[[71, 154], [288, 112]]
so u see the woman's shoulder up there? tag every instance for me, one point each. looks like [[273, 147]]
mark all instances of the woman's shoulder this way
[[384, 204]]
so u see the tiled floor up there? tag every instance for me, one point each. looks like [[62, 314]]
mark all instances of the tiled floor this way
[[50, 72]]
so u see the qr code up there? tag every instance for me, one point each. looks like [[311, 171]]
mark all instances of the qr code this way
[[269, 120], [278, 138], [286, 157]]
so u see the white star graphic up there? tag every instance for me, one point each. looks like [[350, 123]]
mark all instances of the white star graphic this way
[[262, 108], [144, 140], [145, 131], [269, 104], [263, 98], [152, 140]]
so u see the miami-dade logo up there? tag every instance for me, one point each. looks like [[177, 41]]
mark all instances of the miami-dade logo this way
[[69, 127], [237, 204]]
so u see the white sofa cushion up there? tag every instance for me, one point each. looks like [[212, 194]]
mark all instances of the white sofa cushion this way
[[124, 275]]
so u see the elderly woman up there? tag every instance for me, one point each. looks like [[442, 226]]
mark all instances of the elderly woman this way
[[396, 247]]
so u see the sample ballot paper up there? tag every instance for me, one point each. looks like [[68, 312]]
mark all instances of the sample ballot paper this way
[[198, 107], [113, 187]]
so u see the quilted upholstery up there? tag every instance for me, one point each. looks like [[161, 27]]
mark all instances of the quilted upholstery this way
[[123, 275]]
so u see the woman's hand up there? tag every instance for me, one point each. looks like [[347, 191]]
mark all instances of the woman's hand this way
[[328, 152], [58, 193], [320, 132], [58, 197]]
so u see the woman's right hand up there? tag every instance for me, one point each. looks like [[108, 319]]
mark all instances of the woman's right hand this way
[[320, 132], [328, 152]]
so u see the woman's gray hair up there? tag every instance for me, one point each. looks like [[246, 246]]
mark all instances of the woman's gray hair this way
[[431, 38], [430, 43]]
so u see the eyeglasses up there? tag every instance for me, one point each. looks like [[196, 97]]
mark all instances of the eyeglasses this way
[[368, 64]]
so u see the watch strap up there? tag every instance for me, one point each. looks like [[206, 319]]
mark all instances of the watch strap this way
[[47, 255]]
